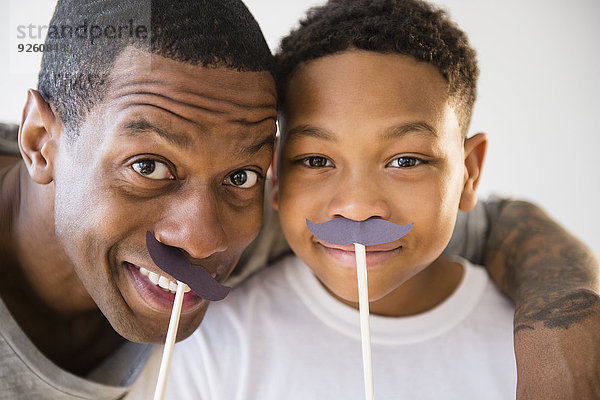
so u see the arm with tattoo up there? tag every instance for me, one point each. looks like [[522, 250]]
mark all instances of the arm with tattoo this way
[[554, 280]]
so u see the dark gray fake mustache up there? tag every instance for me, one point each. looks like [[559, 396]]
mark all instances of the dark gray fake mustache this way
[[370, 232], [173, 262]]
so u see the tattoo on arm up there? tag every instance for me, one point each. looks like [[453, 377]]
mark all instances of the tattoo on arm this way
[[551, 276], [563, 312]]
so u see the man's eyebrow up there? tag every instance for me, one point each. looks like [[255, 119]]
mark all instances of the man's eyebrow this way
[[251, 150], [143, 126], [419, 127], [308, 130]]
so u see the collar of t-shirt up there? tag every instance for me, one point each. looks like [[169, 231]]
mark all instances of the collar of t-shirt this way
[[390, 330]]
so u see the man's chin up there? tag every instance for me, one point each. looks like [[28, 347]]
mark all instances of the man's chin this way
[[155, 331]]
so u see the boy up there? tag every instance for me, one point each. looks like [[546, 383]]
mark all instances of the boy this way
[[374, 127]]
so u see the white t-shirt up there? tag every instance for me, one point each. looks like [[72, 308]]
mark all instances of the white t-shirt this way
[[280, 335]]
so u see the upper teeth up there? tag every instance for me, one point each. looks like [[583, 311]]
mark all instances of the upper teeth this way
[[162, 281]]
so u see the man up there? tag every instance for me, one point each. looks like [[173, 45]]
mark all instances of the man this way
[[161, 117], [163, 125]]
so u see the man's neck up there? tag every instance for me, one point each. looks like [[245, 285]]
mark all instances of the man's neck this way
[[39, 285]]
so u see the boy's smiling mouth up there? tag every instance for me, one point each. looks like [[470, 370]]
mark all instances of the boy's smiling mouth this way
[[344, 254]]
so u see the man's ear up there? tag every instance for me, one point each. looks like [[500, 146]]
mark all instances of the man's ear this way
[[38, 137], [475, 148]]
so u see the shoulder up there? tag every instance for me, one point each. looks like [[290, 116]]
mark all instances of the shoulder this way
[[471, 229], [484, 297], [8, 139], [27, 373]]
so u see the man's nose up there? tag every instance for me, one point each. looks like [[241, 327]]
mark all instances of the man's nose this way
[[193, 224], [359, 195]]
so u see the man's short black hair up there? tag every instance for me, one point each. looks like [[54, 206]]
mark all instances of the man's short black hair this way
[[409, 27], [86, 36]]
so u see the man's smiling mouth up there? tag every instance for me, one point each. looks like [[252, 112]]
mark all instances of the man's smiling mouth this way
[[166, 284], [173, 261], [154, 290]]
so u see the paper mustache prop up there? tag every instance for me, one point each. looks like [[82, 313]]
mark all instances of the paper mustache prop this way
[[173, 262], [370, 232], [344, 231]]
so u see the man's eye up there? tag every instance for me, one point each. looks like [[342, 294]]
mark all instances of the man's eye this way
[[152, 169], [243, 178], [404, 162], [317, 162]]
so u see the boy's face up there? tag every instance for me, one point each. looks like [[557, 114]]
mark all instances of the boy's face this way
[[179, 150], [369, 135]]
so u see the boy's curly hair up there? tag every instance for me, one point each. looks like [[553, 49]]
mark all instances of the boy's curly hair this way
[[409, 27]]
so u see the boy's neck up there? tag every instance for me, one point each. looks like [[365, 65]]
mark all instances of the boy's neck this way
[[420, 293]]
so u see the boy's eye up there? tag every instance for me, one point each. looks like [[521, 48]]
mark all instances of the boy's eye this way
[[243, 178], [317, 162], [404, 162], [152, 169]]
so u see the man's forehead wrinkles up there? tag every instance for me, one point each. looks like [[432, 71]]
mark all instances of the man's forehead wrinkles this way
[[171, 112], [169, 99], [248, 111], [255, 99], [238, 113], [240, 96]]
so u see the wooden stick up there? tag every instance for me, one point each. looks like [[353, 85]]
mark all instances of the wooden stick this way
[[165, 363], [365, 326]]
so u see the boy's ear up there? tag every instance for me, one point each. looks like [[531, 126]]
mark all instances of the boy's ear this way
[[38, 136], [475, 148], [275, 196], [274, 182]]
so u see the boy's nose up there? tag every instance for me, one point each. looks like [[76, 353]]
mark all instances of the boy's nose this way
[[193, 225], [358, 197]]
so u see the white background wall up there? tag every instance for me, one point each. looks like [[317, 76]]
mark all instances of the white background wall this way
[[539, 93]]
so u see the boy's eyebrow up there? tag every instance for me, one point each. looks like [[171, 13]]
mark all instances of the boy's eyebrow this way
[[143, 126], [308, 130], [421, 127]]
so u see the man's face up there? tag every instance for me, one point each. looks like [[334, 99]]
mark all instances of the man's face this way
[[178, 150], [369, 135]]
